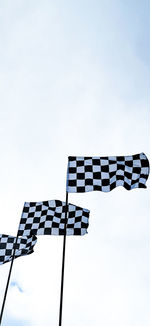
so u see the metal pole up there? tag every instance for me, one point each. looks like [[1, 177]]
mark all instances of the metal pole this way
[[10, 270], [63, 265]]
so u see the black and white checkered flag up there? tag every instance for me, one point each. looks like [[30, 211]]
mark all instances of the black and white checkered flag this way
[[106, 173], [48, 217], [24, 246]]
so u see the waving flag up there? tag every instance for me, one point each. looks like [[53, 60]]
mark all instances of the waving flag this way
[[24, 246], [106, 173], [48, 217]]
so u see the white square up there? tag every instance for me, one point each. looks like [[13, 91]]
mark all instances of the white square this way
[[142, 156], [97, 182], [21, 246], [55, 231], [26, 204], [119, 183], [71, 189], [56, 219], [32, 209], [48, 224], [142, 180], [71, 220], [88, 175], [80, 183], [128, 158], [78, 213], [80, 169], [135, 185], [85, 219], [112, 167], [50, 212], [63, 215], [72, 176], [88, 162], [106, 188], [112, 158], [135, 176], [137, 163], [128, 181], [24, 215], [80, 158], [72, 164], [128, 169], [83, 231], [37, 214], [2, 252], [88, 188], [70, 232], [40, 231], [71, 208], [35, 225], [121, 162], [145, 171], [42, 219], [96, 168], [77, 225], [3, 240], [59, 209], [104, 162], [120, 172], [26, 232], [104, 175], [113, 179], [30, 220], [52, 203], [9, 245], [18, 252], [44, 207]]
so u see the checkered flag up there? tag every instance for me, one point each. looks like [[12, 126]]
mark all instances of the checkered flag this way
[[106, 173], [24, 246], [48, 218]]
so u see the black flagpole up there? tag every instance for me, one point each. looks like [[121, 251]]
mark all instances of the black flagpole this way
[[63, 265], [10, 270]]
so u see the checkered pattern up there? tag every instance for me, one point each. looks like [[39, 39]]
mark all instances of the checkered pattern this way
[[106, 173], [48, 217], [24, 246]]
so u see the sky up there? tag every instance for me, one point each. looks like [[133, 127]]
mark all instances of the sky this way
[[75, 80]]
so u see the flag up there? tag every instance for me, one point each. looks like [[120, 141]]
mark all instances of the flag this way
[[106, 173], [48, 217], [24, 246]]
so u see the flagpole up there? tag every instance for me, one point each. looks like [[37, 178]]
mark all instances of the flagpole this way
[[6, 289], [63, 265]]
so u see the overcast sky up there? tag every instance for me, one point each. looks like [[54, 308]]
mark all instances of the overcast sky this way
[[75, 80]]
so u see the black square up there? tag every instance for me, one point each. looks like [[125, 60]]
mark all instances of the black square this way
[[97, 175], [80, 189], [97, 188], [96, 161], [80, 176], [88, 168], [105, 182], [105, 168], [72, 170], [80, 163], [72, 183], [88, 182]]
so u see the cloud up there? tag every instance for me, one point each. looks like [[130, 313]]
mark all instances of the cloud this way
[[12, 284]]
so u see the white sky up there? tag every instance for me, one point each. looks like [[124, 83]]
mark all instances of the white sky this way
[[75, 80]]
